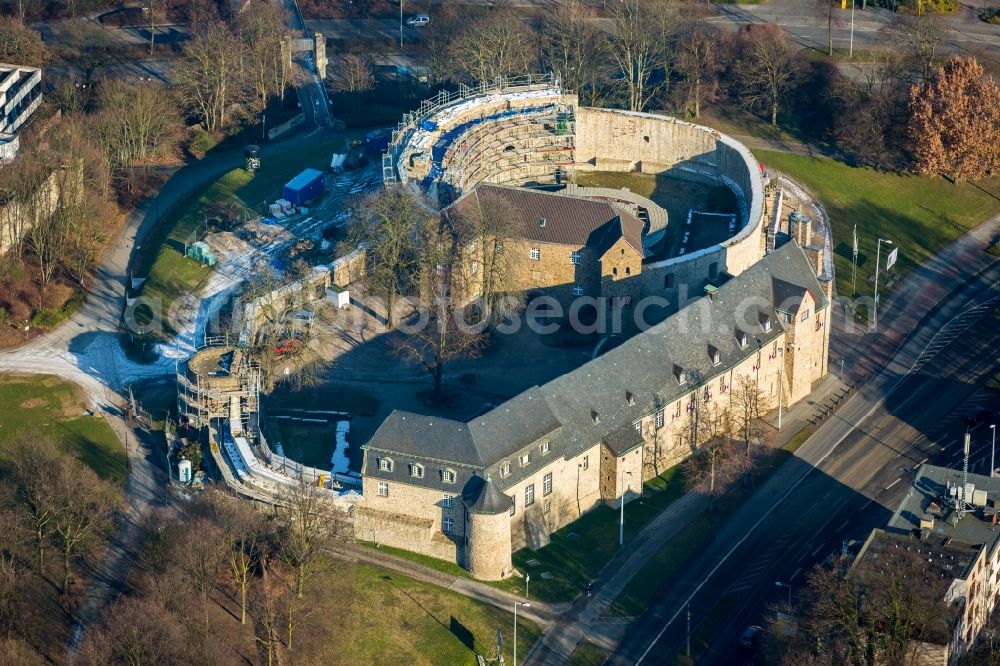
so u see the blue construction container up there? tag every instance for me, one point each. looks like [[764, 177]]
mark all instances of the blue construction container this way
[[305, 186]]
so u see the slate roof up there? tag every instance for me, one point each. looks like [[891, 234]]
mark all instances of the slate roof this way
[[568, 220], [483, 496], [592, 404]]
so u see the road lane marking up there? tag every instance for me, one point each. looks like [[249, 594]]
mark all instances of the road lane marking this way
[[842, 525], [922, 462], [818, 548], [893, 483], [794, 574]]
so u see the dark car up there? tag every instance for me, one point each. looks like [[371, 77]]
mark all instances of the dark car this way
[[750, 638], [982, 417]]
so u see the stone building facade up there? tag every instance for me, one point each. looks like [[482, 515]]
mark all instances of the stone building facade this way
[[473, 492], [560, 246]]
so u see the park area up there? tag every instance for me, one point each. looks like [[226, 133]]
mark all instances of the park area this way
[[56, 408], [920, 214]]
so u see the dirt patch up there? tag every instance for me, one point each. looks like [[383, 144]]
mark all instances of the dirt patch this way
[[32, 403], [49, 382]]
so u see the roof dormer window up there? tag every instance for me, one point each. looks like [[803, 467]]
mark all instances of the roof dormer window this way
[[385, 464], [629, 398], [680, 375], [417, 471], [715, 355], [541, 221], [765, 322], [742, 338], [448, 475], [595, 417]]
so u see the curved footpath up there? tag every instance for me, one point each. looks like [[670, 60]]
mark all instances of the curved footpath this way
[[85, 349]]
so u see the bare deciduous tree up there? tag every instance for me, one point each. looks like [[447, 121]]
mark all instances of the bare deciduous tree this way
[[745, 412], [355, 77], [765, 67], [308, 522], [574, 46], [135, 123], [499, 45], [212, 75], [20, 44], [640, 47], [386, 225], [698, 61], [919, 38], [260, 31]]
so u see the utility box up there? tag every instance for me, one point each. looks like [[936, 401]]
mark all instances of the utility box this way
[[307, 185], [184, 471]]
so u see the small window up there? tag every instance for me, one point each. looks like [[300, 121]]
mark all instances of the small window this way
[[447, 525], [629, 398], [448, 501], [505, 470], [574, 257], [546, 506], [547, 484], [628, 270], [475, 267], [499, 247], [659, 418], [805, 315], [417, 471], [448, 475], [578, 291], [715, 355], [529, 494], [765, 322], [383, 489], [595, 417], [614, 271], [545, 448], [535, 254], [524, 459], [668, 281], [741, 339], [513, 505], [638, 426], [385, 464], [646, 138], [586, 462]]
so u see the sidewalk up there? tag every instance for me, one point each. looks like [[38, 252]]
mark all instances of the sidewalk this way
[[540, 612]]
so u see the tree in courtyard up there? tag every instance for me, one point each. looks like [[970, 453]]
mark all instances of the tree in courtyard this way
[[498, 45], [355, 77], [765, 67], [955, 122], [386, 225]]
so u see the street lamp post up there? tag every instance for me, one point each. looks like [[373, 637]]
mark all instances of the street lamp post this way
[[526, 604], [993, 449], [878, 258], [401, 23], [851, 50], [621, 522], [778, 583]]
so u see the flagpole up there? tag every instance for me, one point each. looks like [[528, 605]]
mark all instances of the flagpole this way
[[854, 277]]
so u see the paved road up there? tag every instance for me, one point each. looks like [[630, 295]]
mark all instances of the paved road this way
[[843, 480]]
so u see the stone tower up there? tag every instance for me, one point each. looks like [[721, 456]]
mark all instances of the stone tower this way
[[487, 532]]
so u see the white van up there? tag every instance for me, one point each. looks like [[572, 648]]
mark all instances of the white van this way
[[418, 21]]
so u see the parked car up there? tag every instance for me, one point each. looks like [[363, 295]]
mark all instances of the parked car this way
[[418, 21], [750, 638]]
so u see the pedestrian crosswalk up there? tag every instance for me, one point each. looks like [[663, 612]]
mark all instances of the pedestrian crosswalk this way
[[954, 328]]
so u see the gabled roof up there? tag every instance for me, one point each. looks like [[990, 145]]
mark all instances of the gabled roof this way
[[643, 367], [568, 220]]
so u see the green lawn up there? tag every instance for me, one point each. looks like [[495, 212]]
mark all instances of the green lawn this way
[[573, 562], [921, 215], [381, 617], [56, 408], [587, 654], [171, 274]]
